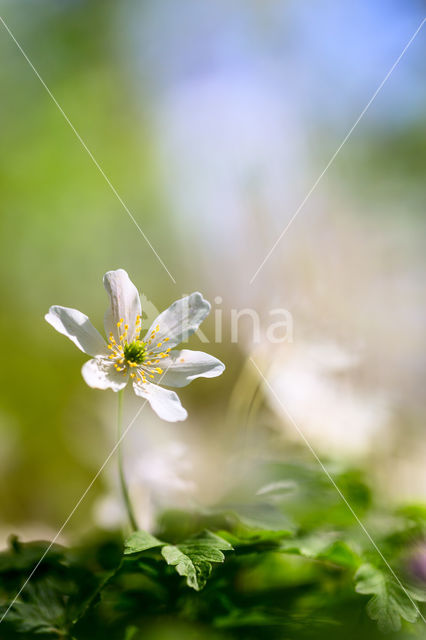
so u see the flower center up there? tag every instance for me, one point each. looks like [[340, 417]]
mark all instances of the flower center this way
[[135, 351]]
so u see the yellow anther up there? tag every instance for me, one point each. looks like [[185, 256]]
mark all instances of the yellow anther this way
[[166, 339], [110, 346], [126, 326], [169, 349], [120, 322], [159, 344], [150, 375], [132, 375], [158, 370], [182, 360]]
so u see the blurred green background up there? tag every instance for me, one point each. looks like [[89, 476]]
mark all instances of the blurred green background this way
[[212, 122]]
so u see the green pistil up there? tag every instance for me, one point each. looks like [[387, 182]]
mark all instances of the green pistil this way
[[135, 352]]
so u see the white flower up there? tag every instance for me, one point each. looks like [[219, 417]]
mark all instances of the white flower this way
[[128, 356], [318, 386]]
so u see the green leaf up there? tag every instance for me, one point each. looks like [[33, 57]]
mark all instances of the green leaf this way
[[130, 632], [140, 541], [193, 558], [342, 554], [389, 603], [260, 515], [323, 546], [247, 539], [251, 619], [42, 611], [59, 593], [309, 546]]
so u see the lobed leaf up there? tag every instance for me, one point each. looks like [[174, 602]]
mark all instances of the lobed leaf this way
[[389, 603], [323, 546], [194, 557], [141, 541]]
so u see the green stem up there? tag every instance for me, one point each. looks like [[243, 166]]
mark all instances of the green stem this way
[[123, 485]]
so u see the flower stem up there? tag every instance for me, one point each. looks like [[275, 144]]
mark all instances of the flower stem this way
[[123, 485]]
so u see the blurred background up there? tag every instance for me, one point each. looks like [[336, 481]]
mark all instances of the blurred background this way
[[212, 120]]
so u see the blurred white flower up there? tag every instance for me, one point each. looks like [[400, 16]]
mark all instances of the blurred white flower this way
[[315, 384], [158, 474], [128, 356]]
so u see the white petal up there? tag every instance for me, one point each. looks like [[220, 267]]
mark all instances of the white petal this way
[[78, 328], [125, 304], [99, 373], [165, 403], [181, 367], [179, 321]]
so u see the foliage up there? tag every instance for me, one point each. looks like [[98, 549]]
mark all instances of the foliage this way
[[218, 574], [391, 601]]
